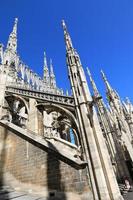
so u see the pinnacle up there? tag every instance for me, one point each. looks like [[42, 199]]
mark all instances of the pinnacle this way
[[88, 71]]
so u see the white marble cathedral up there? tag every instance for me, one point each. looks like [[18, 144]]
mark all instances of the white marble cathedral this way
[[94, 139]]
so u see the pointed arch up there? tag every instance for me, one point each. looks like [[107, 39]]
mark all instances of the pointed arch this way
[[51, 107], [21, 98]]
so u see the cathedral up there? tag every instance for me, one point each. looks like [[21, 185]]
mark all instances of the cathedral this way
[[61, 146]]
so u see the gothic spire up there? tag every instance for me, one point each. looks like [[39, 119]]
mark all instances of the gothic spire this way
[[12, 41], [72, 55], [45, 70], [109, 89], [91, 133], [67, 37], [112, 96], [52, 75], [95, 90]]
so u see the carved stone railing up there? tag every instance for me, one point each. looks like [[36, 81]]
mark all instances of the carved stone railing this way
[[48, 97]]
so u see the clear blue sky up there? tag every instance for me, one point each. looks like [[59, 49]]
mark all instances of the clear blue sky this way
[[102, 33]]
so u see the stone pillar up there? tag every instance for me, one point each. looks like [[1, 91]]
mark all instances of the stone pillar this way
[[40, 122], [33, 116], [47, 121]]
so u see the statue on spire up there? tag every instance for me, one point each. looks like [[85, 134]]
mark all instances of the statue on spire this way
[[46, 77]]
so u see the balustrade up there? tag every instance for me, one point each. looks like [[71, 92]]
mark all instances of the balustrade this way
[[66, 100]]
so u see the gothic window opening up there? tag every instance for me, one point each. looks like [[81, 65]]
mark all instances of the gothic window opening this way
[[72, 137]]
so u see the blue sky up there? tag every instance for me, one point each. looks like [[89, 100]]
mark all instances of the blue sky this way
[[102, 33]]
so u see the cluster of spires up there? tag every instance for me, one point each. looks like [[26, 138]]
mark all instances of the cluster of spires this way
[[120, 112], [48, 77], [48, 73], [111, 93], [96, 93], [116, 122]]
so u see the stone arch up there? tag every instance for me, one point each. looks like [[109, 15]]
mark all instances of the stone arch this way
[[21, 98], [51, 107], [17, 110]]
